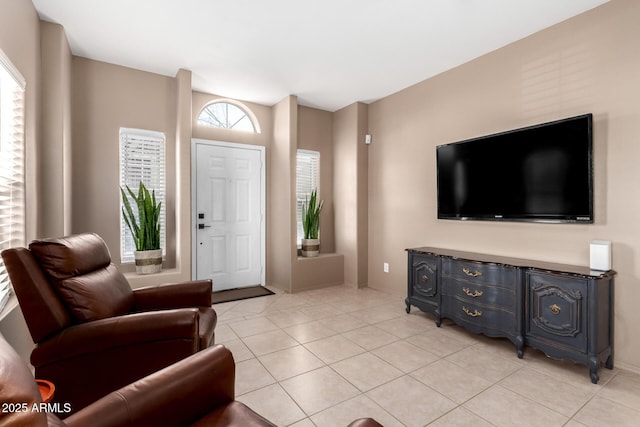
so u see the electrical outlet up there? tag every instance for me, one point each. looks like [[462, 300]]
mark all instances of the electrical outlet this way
[[385, 267]]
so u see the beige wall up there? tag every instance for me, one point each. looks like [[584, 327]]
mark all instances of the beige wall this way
[[106, 97], [587, 64], [55, 166], [182, 162], [362, 165], [314, 133], [351, 192], [281, 248], [20, 42]]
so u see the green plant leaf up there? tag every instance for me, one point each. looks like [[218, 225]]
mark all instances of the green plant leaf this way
[[145, 226], [311, 215]]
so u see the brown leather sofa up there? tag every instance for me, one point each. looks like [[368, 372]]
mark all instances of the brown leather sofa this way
[[93, 333], [196, 391]]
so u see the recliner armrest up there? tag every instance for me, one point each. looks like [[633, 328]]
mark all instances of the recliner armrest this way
[[175, 396], [196, 293], [106, 334]]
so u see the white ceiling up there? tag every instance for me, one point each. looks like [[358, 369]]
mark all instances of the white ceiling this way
[[330, 53]]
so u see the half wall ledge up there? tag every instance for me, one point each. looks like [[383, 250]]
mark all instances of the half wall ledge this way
[[327, 269], [168, 275]]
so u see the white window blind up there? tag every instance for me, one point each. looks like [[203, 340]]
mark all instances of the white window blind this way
[[12, 193], [141, 159], [307, 179]]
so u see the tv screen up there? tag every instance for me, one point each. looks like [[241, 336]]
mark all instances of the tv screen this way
[[540, 173]]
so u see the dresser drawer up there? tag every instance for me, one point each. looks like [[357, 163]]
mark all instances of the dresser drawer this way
[[479, 317], [480, 273], [481, 293]]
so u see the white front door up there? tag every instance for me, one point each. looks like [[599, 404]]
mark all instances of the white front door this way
[[229, 246]]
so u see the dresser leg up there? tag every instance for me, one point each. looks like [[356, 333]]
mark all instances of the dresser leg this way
[[408, 309], [609, 363], [519, 346], [594, 364]]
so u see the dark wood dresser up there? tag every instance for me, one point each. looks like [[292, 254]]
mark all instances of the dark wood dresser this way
[[565, 311]]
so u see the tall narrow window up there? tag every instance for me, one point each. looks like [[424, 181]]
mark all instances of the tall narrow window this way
[[12, 193], [226, 115], [307, 179], [141, 159]]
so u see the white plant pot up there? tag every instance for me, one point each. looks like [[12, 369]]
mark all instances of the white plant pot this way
[[148, 262], [310, 247]]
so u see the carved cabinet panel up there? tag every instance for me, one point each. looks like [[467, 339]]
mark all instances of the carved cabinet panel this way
[[570, 317], [423, 283], [557, 309]]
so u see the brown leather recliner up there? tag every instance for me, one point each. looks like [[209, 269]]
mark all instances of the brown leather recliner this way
[[196, 391], [93, 333]]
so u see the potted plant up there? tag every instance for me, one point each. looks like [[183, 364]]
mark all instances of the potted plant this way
[[144, 227], [311, 225]]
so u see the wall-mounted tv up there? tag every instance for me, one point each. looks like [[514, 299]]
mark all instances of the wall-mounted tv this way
[[541, 173]]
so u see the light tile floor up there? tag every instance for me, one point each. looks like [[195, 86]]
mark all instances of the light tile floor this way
[[326, 357]]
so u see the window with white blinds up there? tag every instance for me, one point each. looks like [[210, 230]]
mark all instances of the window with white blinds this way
[[307, 179], [141, 159], [12, 193]]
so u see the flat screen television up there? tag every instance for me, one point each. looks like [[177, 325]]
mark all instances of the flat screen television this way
[[541, 173]]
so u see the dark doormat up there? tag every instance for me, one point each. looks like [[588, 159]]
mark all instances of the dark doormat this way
[[240, 293]]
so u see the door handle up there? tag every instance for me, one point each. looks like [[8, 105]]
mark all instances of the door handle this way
[[202, 226]]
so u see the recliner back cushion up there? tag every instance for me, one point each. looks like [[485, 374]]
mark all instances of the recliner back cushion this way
[[97, 295], [64, 257], [81, 271]]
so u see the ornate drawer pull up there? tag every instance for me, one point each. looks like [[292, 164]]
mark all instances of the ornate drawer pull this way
[[475, 313], [555, 309], [473, 294], [424, 278], [469, 273]]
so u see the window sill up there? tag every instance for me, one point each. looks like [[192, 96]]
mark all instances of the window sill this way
[[12, 303], [168, 275], [320, 256]]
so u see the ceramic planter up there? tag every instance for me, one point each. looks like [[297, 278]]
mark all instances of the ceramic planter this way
[[148, 262], [310, 247]]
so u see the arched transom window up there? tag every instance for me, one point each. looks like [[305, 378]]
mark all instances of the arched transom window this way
[[225, 115]]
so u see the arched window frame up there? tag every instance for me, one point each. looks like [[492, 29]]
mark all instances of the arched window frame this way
[[247, 111]]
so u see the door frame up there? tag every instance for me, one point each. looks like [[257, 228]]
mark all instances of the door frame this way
[[263, 191]]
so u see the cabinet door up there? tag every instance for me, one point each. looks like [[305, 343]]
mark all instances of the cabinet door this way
[[424, 277], [556, 310]]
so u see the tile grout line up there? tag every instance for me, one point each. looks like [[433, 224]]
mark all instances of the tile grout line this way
[[398, 335]]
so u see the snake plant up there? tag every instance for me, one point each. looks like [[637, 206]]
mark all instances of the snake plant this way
[[311, 216], [145, 226]]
